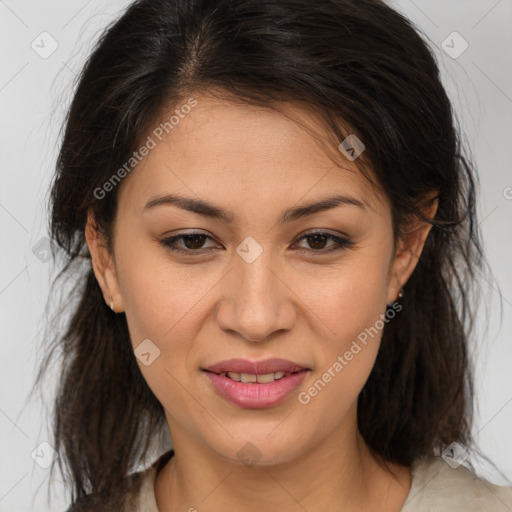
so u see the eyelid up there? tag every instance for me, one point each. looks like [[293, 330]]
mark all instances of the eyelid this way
[[341, 241], [320, 231], [170, 240]]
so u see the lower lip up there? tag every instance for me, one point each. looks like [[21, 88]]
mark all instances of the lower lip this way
[[255, 395]]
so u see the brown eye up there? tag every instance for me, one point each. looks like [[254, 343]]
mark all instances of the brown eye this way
[[191, 243], [317, 242]]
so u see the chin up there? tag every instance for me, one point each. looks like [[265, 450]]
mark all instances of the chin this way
[[260, 450]]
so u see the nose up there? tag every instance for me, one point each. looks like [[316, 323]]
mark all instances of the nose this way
[[256, 300]]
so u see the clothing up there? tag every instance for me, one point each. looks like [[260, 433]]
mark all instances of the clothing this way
[[435, 487]]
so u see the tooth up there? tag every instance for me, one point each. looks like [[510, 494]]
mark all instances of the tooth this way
[[247, 377], [234, 376], [279, 375], [265, 378]]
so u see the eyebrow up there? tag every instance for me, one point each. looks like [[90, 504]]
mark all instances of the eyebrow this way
[[206, 209]]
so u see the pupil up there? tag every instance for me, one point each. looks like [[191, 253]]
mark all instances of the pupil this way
[[197, 241], [316, 239]]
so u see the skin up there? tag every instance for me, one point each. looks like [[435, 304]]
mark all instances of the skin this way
[[291, 302]]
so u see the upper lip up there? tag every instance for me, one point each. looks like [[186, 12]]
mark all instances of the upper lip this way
[[256, 367]]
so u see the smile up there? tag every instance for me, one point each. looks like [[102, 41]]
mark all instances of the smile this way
[[264, 378], [256, 391]]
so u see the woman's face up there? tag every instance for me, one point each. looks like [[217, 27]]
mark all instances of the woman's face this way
[[252, 286]]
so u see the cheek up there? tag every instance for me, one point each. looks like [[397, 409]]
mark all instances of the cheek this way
[[160, 300], [162, 306], [352, 310], [350, 298], [165, 304]]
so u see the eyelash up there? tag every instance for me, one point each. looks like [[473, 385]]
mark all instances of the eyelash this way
[[340, 243]]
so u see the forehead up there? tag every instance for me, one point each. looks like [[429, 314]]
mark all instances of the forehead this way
[[223, 148]]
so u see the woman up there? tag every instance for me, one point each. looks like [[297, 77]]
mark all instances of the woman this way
[[272, 227]]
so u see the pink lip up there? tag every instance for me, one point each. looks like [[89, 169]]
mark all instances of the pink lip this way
[[255, 395], [257, 367]]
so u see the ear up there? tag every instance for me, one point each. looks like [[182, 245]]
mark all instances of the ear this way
[[103, 264], [410, 246]]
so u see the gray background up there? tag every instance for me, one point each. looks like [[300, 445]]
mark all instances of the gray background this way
[[34, 93]]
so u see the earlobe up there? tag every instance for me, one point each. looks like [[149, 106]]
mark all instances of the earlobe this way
[[103, 265]]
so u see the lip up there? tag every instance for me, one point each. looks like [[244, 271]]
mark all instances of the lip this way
[[256, 367], [255, 395]]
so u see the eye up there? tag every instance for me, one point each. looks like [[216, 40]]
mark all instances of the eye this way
[[317, 241], [192, 242]]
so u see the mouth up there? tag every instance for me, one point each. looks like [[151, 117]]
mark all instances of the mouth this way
[[239, 369], [256, 385], [248, 378]]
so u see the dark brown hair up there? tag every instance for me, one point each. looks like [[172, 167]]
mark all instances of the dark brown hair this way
[[364, 69]]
